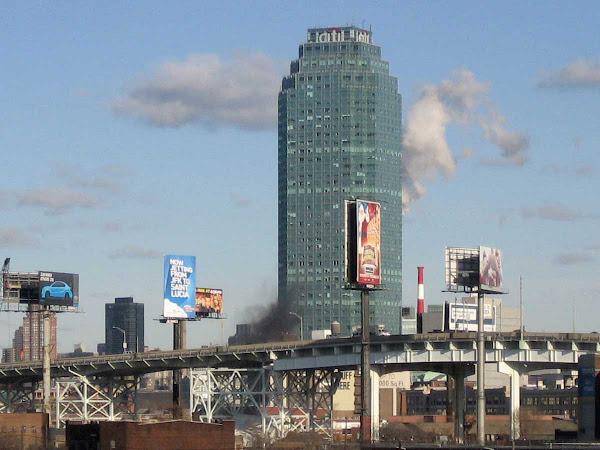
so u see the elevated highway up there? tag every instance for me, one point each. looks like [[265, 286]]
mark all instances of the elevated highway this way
[[287, 377], [404, 352], [134, 364]]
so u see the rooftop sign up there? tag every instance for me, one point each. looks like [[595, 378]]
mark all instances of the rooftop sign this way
[[339, 35]]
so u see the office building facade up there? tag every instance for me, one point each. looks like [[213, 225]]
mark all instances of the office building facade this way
[[124, 318], [28, 339], [340, 138]]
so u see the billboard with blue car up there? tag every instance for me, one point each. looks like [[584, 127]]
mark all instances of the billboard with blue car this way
[[180, 287], [58, 288]]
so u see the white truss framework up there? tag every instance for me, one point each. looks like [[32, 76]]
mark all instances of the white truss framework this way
[[17, 397], [284, 401], [86, 399]]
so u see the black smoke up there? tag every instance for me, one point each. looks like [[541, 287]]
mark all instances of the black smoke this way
[[270, 323]]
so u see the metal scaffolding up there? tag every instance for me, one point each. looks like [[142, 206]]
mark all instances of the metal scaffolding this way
[[284, 401], [17, 397], [85, 399]]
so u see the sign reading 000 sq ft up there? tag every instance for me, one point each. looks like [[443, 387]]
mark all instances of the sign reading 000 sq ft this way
[[368, 226]]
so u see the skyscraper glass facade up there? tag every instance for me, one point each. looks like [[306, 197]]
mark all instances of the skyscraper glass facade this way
[[340, 138], [127, 315]]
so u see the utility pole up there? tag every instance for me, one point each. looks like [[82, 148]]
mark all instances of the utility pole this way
[[480, 371], [301, 324], [365, 369], [521, 304], [574, 313], [124, 338]]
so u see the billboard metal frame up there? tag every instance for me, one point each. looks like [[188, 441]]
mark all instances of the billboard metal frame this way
[[462, 272], [12, 300], [462, 269]]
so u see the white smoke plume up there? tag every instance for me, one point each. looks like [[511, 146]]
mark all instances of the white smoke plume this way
[[459, 100], [578, 74]]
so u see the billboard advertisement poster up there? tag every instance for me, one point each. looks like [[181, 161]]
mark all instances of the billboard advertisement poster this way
[[490, 268], [58, 288], [368, 222], [208, 301], [463, 317], [180, 287], [586, 382]]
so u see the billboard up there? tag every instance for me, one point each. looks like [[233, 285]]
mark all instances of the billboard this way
[[462, 269], [463, 317], [58, 288], [490, 269], [208, 301], [586, 382], [180, 287], [368, 227]]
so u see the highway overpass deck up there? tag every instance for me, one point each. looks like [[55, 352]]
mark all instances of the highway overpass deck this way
[[410, 351]]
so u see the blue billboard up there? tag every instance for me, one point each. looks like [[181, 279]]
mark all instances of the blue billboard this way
[[180, 287], [60, 289], [586, 382]]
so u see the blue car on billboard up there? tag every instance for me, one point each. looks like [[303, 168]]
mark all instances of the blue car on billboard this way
[[58, 289]]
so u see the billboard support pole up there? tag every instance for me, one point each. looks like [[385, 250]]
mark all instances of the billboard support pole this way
[[480, 371], [179, 343], [521, 305], [46, 360], [365, 369]]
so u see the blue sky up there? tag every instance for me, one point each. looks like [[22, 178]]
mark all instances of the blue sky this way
[[135, 129]]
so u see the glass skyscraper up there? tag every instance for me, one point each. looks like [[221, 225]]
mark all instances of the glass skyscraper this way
[[126, 315], [340, 138]]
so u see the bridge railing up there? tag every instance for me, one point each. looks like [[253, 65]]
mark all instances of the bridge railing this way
[[295, 345], [158, 355]]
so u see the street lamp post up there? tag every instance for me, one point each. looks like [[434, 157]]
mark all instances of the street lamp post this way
[[301, 327], [124, 339]]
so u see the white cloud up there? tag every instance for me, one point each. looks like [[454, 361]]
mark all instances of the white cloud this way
[[461, 99], [578, 74], [101, 178], [559, 169], [513, 144], [556, 213], [240, 200], [56, 199], [16, 238], [207, 90], [570, 259], [134, 252], [173, 310]]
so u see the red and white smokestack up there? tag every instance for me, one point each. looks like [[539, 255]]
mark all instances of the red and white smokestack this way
[[420, 292]]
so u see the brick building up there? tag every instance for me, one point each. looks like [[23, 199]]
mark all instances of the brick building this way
[[178, 434], [28, 340]]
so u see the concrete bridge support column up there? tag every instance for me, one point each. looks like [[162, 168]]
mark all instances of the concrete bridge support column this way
[[514, 371], [458, 375]]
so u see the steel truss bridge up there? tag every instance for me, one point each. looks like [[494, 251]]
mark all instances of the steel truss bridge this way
[[287, 385]]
